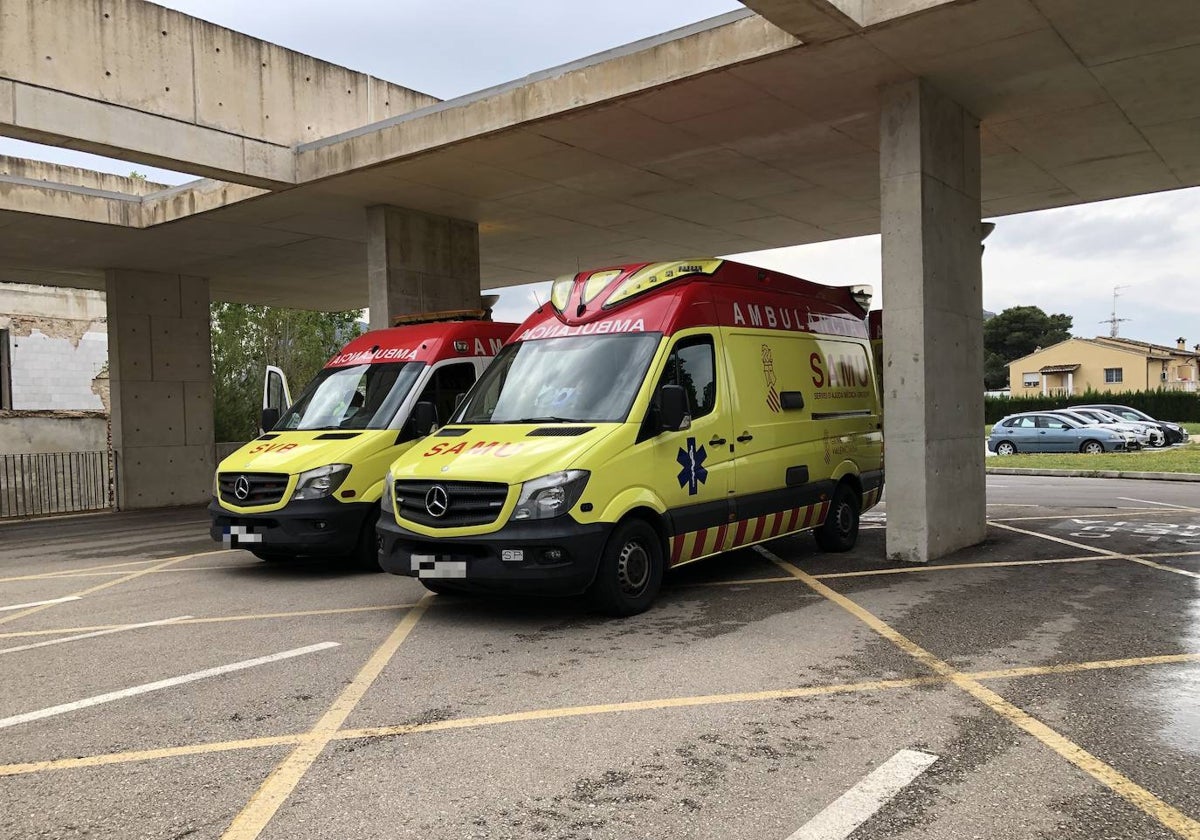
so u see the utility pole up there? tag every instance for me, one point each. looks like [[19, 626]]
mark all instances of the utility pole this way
[[1114, 322]]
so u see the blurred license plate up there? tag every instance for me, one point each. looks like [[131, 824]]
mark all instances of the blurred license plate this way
[[433, 566]]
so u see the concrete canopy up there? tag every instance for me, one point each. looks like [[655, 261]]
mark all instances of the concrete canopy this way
[[731, 135]]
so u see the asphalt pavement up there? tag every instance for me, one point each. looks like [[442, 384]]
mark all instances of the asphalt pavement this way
[[1041, 685]]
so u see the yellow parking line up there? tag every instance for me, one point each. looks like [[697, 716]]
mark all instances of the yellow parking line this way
[[931, 568], [217, 619], [1107, 775], [72, 572], [578, 711], [253, 818], [1162, 567]]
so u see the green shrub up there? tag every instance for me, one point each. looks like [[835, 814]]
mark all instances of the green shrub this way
[[1174, 406]]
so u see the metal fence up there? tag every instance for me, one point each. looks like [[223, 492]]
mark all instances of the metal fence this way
[[41, 483]]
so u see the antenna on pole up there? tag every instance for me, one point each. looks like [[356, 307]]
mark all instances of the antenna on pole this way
[[1114, 328]]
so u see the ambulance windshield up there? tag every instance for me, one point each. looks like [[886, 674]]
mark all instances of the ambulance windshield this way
[[576, 379], [353, 397]]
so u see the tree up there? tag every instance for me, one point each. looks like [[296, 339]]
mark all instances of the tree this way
[[245, 339], [1017, 332]]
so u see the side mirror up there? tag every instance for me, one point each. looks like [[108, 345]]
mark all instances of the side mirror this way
[[673, 411], [424, 419], [270, 416]]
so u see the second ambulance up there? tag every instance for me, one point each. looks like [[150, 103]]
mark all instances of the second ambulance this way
[[648, 416]]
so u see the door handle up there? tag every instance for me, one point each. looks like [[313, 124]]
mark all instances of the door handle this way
[[745, 436], [717, 442]]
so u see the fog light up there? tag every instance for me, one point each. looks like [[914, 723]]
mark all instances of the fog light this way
[[553, 555], [319, 525]]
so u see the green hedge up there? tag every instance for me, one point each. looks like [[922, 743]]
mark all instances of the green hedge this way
[[1174, 406]]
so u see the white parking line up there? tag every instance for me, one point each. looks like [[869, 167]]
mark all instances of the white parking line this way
[[160, 684], [40, 603], [91, 635], [1149, 502], [854, 807]]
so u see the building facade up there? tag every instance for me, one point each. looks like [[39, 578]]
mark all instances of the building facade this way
[[1105, 364]]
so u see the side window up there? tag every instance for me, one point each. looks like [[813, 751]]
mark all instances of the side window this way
[[692, 365], [445, 385], [1025, 422]]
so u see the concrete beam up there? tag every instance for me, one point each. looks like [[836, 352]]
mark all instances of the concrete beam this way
[[134, 80], [817, 21], [721, 42], [932, 323]]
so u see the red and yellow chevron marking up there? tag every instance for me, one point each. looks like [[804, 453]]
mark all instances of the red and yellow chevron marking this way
[[871, 498], [707, 541]]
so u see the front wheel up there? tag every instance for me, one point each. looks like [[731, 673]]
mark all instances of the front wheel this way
[[631, 570], [1092, 447], [839, 531], [1159, 442], [1006, 447], [366, 550]]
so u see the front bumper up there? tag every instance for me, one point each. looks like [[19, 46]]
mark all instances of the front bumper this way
[[478, 562], [315, 528]]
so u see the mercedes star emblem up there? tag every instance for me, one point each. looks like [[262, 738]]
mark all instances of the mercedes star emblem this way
[[437, 502], [241, 487]]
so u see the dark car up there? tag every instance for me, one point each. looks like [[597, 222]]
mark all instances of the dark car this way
[[1172, 432]]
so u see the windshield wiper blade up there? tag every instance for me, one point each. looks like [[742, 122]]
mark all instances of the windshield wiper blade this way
[[546, 419]]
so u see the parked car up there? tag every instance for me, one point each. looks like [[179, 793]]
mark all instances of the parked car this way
[[1154, 434], [1136, 436], [1173, 432], [1049, 432]]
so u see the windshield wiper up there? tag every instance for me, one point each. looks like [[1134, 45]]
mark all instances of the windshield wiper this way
[[545, 419]]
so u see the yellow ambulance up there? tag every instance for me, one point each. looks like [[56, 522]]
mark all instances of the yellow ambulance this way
[[310, 485], [648, 416]]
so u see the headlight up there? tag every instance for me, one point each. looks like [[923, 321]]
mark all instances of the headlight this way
[[321, 482], [387, 500], [550, 496]]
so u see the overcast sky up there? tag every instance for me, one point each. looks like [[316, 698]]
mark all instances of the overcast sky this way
[[1065, 260]]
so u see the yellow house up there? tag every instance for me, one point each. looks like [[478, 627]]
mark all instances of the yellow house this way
[[1105, 364]]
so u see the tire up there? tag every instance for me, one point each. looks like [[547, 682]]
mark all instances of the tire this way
[[1092, 447], [1006, 447], [631, 570], [839, 531], [1162, 442], [366, 550]]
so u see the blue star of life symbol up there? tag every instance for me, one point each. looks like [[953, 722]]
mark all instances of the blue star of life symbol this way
[[692, 461]]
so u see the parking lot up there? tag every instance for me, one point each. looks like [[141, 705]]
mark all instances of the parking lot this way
[[158, 687]]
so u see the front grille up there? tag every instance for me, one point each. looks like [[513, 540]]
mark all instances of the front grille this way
[[467, 502], [265, 488]]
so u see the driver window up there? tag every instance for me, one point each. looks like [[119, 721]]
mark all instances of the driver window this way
[[692, 365]]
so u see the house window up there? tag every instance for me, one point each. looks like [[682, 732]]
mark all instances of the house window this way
[[1031, 380], [5, 372], [1114, 375]]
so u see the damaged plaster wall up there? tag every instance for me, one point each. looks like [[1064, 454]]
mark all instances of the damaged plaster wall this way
[[58, 347]]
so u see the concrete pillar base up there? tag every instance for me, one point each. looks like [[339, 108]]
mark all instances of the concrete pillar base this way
[[160, 369], [932, 324], [419, 262]]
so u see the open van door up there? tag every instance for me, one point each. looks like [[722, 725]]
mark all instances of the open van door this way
[[277, 398]]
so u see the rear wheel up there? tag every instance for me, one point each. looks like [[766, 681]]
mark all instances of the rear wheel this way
[[631, 570], [839, 531], [1092, 447], [1006, 447]]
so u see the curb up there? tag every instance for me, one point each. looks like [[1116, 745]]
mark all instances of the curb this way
[[1149, 476]]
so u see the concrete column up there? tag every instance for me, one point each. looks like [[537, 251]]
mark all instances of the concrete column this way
[[419, 262], [933, 323], [160, 369]]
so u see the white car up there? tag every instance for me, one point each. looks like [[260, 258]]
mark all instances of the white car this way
[[1154, 433], [1135, 438]]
